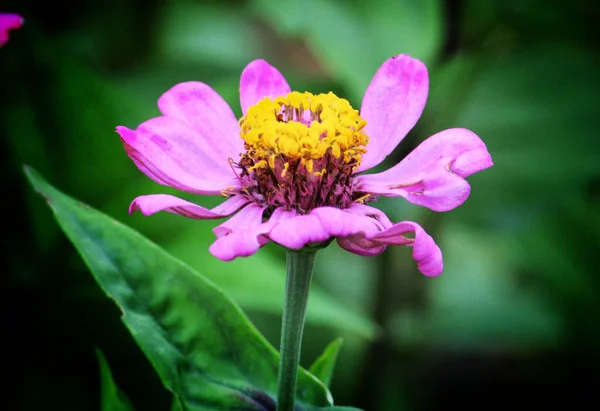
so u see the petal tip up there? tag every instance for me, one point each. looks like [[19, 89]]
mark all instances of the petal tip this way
[[9, 21], [432, 272], [125, 133], [487, 161], [258, 62], [228, 249], [409, 63], [219, 253], [392, 105], [260, 79], [134, 206], [141, 204]]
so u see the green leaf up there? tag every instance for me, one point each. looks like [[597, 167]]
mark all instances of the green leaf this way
[[175, 406], [203, 347], [111, 397], [323, 366], [340, 409]]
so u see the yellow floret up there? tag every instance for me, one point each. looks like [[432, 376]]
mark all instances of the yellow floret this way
[[271, 128]]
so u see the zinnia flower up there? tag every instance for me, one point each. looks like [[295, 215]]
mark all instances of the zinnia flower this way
[[292, 166], [8, 22]]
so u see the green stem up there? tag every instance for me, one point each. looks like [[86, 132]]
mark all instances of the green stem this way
[[297, 284]]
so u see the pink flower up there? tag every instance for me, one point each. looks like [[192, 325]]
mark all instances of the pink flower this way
[[8, 22], [291, 168]]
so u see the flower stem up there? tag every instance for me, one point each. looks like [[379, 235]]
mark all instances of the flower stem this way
[[300, 266]]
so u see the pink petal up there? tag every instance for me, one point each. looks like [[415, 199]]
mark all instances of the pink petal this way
[[250, 216], [153, 203], [278, 216], [324, 223], [357, 243], [239, 236], [243, 234], [380, 218], [299, 231], [8, 22], [341, 223], [205, 111], [259, 80], [365, 231], [432, 175], [173, 154], [392, 106], [425, 251]]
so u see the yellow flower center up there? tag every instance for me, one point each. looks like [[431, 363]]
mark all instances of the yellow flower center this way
[[301, 128]]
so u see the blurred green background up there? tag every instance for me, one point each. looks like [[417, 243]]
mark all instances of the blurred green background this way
[[513, 320]]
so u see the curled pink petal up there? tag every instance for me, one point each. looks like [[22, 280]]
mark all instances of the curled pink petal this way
[[299, 231], [205, 111], [174, 154], [8, 21], [380, 218], [365, 231], [239, 236], [392, 106], [357, 243], [153, 203], [259, 80], [351, 228], [432, 175], [425, 251]]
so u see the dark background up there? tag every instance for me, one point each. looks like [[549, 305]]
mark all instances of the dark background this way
[[512, 322]]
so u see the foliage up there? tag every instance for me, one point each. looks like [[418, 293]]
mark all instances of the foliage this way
[[517, 300]]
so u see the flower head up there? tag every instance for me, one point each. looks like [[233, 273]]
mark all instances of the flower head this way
[[8, 22], [301, 151], [291, 167]]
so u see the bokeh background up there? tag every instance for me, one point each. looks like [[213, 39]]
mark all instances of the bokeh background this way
[[512, 322]]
